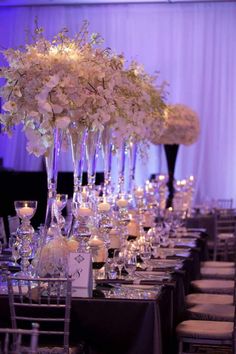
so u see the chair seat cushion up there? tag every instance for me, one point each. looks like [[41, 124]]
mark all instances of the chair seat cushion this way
[[196, 299], [217, 264], [214, 286], [225, 236], [205, 329], [212, 312], [217, 273]]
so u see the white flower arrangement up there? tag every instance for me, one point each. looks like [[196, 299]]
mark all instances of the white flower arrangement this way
[[182, 126], [139, 103], [51, 84]]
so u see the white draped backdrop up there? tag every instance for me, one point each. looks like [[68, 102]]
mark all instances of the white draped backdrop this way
[[193, 45]]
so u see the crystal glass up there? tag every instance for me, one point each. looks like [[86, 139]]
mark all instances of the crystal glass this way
[[130, 263], [84, 215], [118, 258], [51, 160], [60, 203], [78, 135], [92, 147], [145, 253], [121, 154], [133, 149], [15, 252], [106, 143], [25, 210]]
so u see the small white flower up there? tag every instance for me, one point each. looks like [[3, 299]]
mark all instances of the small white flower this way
[[62, 122], [10, 106]]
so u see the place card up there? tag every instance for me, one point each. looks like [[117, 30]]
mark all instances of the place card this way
[[80, 270]]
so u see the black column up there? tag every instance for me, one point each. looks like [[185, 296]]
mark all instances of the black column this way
[[171, 155]]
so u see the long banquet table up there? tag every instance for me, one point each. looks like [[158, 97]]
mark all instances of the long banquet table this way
[[132, 326]]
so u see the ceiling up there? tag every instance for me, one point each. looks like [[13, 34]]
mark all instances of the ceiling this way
[[84, 2]]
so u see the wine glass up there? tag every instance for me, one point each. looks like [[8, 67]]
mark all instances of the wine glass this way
[[15, 252], [118, 258], [60, 203], [145, 253], [130, 264], [25, 210]]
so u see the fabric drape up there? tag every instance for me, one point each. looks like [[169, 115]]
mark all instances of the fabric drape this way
[[192, 45]]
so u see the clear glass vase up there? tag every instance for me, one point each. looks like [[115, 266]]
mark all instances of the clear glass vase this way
[[92, 147], [106, 143], [121, 156], [78, 134], [52, 256], [51, 160], [133, 149]]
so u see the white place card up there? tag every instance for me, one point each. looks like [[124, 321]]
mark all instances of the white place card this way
[[80, 270]]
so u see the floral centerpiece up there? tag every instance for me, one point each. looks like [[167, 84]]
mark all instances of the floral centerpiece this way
[[182, 126], [68, 84]]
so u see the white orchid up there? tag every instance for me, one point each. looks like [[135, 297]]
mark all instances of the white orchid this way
[[52, 84]]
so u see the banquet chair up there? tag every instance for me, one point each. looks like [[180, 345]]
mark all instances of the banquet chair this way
[[225, 238], [208, 332], [13, 223], [224, 203], [3, 238], [13, 341], [46, 301]]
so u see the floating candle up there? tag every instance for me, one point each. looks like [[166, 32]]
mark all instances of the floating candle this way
[[25, 211], [139, 193], [104, 206], [122, 203], [85, 211]]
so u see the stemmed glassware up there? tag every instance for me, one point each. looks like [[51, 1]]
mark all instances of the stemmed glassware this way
[[130, 263], [15, 252], [118, 258], [25, 210], [145, 253], [60, 203]]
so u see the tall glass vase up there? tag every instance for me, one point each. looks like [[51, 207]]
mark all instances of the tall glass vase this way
[[52, 255], [106, 142], [121, 155], [133, 149], [51, 161], [78, 134], [92, 147]]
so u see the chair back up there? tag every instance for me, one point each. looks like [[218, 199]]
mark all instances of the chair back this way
[[13, 341], [225, 203], [13, 223], [46, 301], [225, 240], [3, 237], [226, 221]]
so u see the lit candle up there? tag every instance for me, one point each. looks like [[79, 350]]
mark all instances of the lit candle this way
[[183, 182], [139, 192], [84, 211], [133, 228], [59, 203], [191, 178], [161, 177], [122, 203], [84, 192], [95, 242], [114, 239], [25, 211], [104, 206]]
